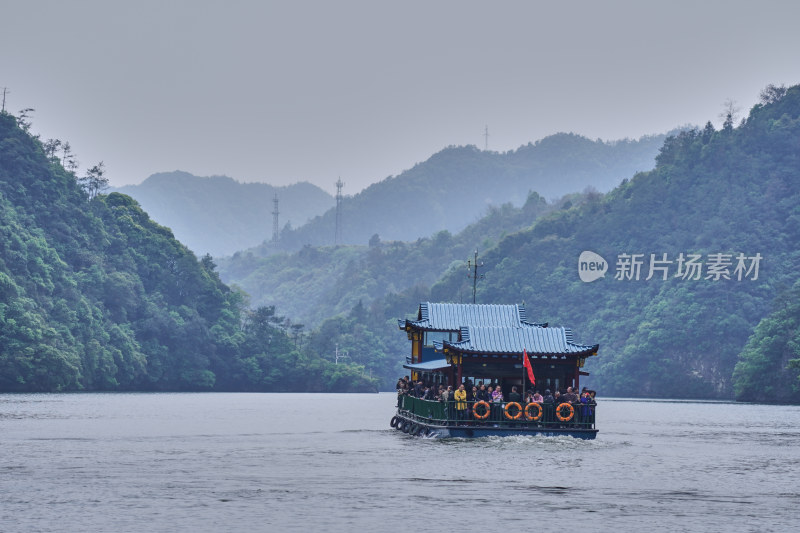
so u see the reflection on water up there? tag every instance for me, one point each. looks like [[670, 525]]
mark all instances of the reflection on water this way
[[225, 462]]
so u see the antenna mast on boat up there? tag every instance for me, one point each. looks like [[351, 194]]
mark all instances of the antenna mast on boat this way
[[473, 267]]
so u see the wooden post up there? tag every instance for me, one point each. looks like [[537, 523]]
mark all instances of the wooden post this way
[[576, 380]]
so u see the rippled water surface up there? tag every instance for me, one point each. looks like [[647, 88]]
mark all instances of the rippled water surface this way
[[257, 462]]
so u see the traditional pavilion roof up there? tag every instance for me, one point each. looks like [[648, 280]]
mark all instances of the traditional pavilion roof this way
[[513, 340], [453, 317]]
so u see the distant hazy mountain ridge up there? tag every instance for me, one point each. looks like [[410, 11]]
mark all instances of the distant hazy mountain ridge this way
[[452, 189], [218, 215], [456, 186]]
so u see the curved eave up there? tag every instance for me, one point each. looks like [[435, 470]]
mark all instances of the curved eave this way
[[587, 351]]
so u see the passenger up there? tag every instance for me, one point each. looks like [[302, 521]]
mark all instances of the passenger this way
[[483, 395], [428, 394], [570, 396], [497, 400], [548, 402], [449, 395], [472, 395], [400, 390], [461, 403], [537, 397], [592, 404], [529, 397], [497, 395], [514, 396], [586, 410]]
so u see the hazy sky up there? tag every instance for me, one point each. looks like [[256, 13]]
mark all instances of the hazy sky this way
[[289, 91]]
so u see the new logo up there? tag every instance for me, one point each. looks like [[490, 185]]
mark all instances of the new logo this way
[[591, 266]]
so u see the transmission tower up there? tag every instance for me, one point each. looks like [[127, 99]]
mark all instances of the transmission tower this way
[[5, 92], [486, 138], [276, 231], [337, 235]]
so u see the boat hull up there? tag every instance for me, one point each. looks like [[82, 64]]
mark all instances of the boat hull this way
[[473, 430]]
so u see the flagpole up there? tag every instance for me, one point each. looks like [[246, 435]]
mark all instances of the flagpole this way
[[523, 376]]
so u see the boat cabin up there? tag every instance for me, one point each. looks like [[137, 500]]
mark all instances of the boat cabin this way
[[484, 343]]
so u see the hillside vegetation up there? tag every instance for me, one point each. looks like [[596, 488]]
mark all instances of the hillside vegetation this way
[[725, 201], [699, 297], [734, 192], [94, 295], [317, 282]]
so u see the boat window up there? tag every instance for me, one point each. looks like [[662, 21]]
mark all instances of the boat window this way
[[431, 336]]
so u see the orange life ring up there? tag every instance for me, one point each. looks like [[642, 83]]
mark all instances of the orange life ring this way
[[516, 416], [485, 415], [571, 412], [538, 412]]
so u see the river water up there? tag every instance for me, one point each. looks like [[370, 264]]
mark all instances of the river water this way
[[259, 462]]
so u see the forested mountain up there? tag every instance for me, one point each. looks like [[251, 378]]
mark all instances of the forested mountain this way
[[317, 282], [699, 297], [457, 186], [94, 295], [218, 215], [730, 197], [702, 256], [768, 368]]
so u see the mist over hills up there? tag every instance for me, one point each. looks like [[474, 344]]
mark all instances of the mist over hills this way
[[452, 189], [218, 215], [456, 186]]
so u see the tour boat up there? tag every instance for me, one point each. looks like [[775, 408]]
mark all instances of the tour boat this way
[[492, 345]]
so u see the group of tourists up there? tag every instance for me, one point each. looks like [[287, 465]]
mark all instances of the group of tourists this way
[[487, 402]]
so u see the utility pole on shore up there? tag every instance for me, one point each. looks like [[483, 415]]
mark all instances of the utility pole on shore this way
[[5, 92], [486, 138]]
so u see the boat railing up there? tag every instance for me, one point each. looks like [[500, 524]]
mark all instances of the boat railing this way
[[498, 414]]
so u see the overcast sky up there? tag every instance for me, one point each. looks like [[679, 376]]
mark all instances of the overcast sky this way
[[282, 92]]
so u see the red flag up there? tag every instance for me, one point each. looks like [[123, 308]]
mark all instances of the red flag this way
[[527, 364]]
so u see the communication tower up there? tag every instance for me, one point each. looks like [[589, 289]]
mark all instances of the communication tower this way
[[276, 229], [337, 234]]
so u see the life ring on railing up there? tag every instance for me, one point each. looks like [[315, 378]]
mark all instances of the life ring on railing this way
[[539, 412], [562, 417], [509, 415], [487, 410]]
